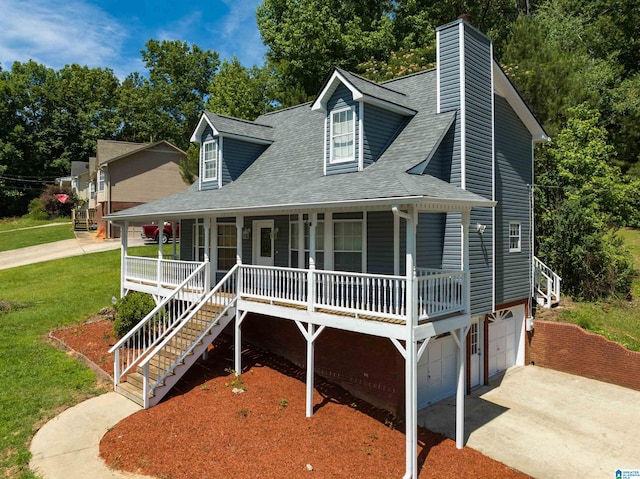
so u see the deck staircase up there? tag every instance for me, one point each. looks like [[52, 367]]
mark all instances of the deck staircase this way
[[546, 284], [151, 359]]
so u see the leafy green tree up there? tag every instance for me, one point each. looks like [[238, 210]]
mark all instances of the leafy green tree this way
[[189, 168], [239, 92], [306, 39]]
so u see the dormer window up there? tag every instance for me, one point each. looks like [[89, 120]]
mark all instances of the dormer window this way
[[210, 161], [343, 135]]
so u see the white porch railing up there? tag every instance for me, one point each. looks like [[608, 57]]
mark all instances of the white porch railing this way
[[440, 292], [159, 272], [150, 331], [546, 284], [358, 294]]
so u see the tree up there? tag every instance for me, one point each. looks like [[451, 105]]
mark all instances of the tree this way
[[239, 92], [306, 39], [179, 79]]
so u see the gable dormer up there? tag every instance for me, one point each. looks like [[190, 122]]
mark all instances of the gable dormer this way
[[362, 118], [227, 147]]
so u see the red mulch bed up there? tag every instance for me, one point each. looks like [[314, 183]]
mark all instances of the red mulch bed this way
[[203, 429]]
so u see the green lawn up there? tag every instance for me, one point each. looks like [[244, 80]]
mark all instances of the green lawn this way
[[31, 237], [38, 380], [22, 222], [616, 320]]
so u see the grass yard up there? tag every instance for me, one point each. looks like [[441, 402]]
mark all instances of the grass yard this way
[[37, 380], [20, 239], [22, 222], [616, 320]]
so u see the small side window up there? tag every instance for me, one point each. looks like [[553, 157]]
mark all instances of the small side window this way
[[343, 135], [515, 238], [209, 161]]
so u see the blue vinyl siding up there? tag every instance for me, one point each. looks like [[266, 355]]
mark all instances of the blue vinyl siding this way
[[280, 244], [380, 242], [430, 240], [186, 240], [342, 98], [478, 156], [513, 175], [207, 135], [237, 155], [380, 127]]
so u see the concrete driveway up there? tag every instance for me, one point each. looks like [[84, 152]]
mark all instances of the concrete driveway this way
[[548, 424], [84, 243]]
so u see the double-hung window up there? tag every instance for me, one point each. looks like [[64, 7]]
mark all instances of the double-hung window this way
[[100, 180], [227, 246], [293, 242], [343, 135], [210, 161], [515, 238], [347, 245], [92, 191]]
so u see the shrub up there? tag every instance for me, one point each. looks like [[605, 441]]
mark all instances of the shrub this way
[[130, 310], [37, 210], [52, 205]]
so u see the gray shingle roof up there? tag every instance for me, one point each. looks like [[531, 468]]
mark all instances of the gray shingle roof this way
[[235, 126], [376, 90], [79, 167], [289, 174]]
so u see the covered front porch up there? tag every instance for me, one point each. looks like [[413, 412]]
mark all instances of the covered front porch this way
[[409, 306]]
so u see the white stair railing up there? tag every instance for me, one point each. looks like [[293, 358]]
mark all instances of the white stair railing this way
[[546, 283], [217, 303], [150, 331]]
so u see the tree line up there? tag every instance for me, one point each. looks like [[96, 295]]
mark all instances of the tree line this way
[[575, 62]]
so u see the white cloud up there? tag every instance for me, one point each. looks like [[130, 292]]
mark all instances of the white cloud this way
[[237, 33], [181, 28], [59, 32]]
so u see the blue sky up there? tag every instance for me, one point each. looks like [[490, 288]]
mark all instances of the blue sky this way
[[111, 33]]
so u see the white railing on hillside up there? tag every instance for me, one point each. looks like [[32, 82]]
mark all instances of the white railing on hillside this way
[[359, 294], [441, 292], [546, 283], [160, 272], [150, 331], [208, 312]]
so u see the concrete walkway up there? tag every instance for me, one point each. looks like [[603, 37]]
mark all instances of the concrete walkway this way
[[84, 243], [549, 424], [67, 447]]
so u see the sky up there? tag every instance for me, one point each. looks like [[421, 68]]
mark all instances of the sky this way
[[111, 33]]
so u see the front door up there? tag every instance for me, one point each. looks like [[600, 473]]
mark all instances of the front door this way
[[263, 242]]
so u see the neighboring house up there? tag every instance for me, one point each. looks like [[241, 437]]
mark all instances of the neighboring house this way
[[380, 235], [129, 174], [80, 180]]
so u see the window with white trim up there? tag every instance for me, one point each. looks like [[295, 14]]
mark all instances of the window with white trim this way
[[209, 152], [92, 191], [101, 180], [343, 135], [515, 238], [227, 246], [293, 242], [347, 245]]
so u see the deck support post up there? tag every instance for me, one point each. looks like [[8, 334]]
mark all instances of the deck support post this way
[[237, 345], [459, 336], [124, 249], [411, 350], [310, 369]]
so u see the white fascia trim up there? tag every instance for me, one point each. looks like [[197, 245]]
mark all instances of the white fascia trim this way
[[463, 110], [326, 134], [503, 87], [220, 149], [438, 71], [434, 204], [336, 78], [360, 121], [493, 184], [195, 137]]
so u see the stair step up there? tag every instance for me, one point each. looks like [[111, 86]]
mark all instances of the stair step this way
[[131, 392]]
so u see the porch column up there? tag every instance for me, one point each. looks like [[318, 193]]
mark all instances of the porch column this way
[[328, 241], [237, 347], [124, 248], [160, 232], [173, 240], [207, 231], [300, 245], [311, 290], [466, 216], [396, 245], [460, 339], [213, 257]]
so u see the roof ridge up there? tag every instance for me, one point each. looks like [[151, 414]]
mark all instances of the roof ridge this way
[[287, 108], [421, 72], [372, 82], [241, 120]]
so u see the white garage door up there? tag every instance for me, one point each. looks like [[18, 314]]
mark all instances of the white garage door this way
[[504, 338], [437, 371]]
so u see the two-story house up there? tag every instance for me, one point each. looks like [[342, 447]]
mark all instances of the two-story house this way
[[380, 236], [125, 174]]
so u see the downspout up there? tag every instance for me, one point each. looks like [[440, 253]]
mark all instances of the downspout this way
[[411, 406]]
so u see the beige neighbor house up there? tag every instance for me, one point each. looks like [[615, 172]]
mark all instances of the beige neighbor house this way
[[127, 174]]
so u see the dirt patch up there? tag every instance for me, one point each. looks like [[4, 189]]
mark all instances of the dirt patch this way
[[203, 429]]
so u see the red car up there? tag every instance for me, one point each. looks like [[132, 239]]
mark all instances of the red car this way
[[150, 232]]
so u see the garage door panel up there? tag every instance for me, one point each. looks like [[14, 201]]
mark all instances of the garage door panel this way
[[437, 371]]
